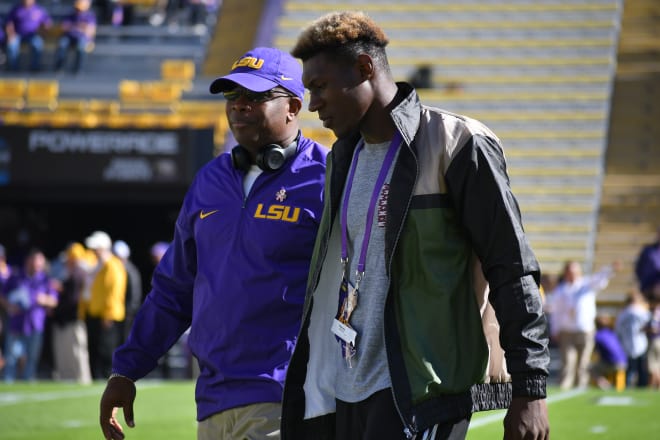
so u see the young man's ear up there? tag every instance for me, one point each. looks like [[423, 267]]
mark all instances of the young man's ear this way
[[365, 66]]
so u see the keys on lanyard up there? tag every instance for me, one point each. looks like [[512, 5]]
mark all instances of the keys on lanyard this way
[[341, 327]]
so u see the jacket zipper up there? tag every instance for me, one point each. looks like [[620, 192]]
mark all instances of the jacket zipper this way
[[408, 430]]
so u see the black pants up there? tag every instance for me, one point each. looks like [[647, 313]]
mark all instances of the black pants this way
[[102, 341], [376, 418]]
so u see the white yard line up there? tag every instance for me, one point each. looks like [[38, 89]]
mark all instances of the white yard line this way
[[15, 398], [499, 415]]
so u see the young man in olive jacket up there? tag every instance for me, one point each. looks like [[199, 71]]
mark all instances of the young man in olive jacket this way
[[423, 301]]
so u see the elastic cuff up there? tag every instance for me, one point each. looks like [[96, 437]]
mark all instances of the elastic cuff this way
[[529, 386], [113, 375]]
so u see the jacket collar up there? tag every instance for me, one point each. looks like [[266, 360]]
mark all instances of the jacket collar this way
[[406, 111]]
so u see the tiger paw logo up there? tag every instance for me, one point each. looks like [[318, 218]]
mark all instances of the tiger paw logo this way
[[280, 196]]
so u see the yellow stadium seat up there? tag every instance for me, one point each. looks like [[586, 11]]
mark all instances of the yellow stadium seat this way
[[12, 94], [42, 94], [13, 117], [140, 3], [181, 72], [162, 92], [189, 106], [130, 91], [38, 119], [148, 95], [75, 106], [146, 120], [103, 106], [61, 118], [90, 120], [172, 120], [118, 120]]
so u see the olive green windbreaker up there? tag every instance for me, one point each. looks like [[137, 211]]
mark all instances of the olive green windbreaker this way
[[463, 278]]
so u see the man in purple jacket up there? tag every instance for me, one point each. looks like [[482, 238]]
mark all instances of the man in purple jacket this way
[[79, 31], [236, 270], [29, 295], [23, 25]]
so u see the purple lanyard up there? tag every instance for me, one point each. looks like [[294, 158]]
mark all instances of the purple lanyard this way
[[387, 163]]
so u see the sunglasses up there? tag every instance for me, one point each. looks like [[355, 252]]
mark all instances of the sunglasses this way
[[255, 97]]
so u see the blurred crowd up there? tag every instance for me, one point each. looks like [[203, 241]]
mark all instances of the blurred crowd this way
[[62, 319], [28, 24], [606, 349]]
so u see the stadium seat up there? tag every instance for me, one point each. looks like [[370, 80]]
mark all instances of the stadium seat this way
[[103, 106], [12, 117], [148, 95], [12, 94], [130, 91], [181, 72], [163, 93], [42, 94]]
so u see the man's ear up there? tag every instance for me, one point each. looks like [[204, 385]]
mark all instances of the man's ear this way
[[295, 105], [365, 66]]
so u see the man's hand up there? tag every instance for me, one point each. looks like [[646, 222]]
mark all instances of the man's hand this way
[[527, 419], [119, 393]]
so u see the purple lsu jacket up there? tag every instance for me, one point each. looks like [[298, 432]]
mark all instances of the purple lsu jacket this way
[[235, 273]]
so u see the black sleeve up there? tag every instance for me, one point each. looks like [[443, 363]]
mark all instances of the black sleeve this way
[[478, 184]]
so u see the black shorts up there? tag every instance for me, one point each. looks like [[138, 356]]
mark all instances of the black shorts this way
[[377, 418]]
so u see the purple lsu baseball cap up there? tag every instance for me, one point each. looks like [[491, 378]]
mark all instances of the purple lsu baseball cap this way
[[261, 69]]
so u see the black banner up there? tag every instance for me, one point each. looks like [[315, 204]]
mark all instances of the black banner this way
[[31, 157]]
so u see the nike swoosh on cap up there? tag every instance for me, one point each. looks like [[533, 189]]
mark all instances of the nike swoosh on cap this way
[[285, 78]]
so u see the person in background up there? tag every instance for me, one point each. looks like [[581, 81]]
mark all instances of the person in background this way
[[573, 306], [133, 285], [79, 30], [630, 327], [24, 25], [70, 350], [30, 295], [236, 269], [548, 284], [3, 43], [422, 77], [106, 310], [612, 360], [647, 269], [421, 267], [653, 333], [5, 273], [157, 251]]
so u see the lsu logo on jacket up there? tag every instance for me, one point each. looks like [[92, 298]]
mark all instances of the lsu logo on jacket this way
[[283, 213]]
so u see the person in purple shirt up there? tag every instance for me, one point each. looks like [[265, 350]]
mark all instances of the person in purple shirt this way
[[29, 294], [23, 25], [79, 31], [647, 269], [611, 355], [5, 273], [236, 269]]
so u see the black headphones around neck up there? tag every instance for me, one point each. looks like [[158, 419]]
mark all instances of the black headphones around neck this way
[[269, 158]]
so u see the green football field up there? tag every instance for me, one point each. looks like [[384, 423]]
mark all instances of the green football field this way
[[166, 410]]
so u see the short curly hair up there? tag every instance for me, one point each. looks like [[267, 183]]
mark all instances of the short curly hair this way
[[343, 34]]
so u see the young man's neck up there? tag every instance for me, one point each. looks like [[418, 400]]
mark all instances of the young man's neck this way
[[378, 126]]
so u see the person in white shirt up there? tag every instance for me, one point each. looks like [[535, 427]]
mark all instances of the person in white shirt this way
[[573, 318], [630, 327]]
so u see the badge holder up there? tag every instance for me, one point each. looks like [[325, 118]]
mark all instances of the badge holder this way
[[344, 333]]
